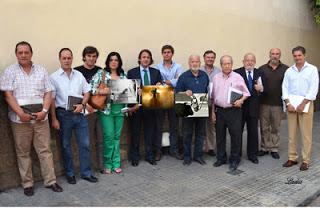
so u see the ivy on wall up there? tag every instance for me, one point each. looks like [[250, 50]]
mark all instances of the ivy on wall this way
[[316, 10]]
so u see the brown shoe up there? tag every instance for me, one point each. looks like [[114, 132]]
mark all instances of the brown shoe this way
[[28, 191], [157, 156], [289, 163], [55, 187], [304, 166]]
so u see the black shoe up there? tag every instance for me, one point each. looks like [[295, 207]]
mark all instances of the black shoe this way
[[219, 163], [233, 166], [55, 187], [152, 162], [91, 179], [71, 179], [200, 161], [275, 155], [135, 163], [254, 160], [28, 191], [187, 162], [262, 153], [211, 153]]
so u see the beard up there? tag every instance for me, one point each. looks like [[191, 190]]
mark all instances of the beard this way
[[274, 61], [194, 69]]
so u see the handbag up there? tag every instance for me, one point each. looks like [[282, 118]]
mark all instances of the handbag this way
[[98, 101]]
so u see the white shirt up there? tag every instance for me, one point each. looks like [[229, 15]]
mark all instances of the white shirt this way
[[64, 86], [304, 82], [251, 74]]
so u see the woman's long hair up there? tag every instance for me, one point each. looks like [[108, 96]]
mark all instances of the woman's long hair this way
[[108, 60]]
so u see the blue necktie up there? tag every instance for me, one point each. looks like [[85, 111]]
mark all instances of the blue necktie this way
[[250, 81]]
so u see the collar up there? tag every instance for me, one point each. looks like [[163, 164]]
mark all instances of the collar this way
[[141, 68], [305, 65], [172, 64], [61, 71]]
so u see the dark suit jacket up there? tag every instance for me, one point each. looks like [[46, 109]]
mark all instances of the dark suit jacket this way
[[252, 104], [155, 75]]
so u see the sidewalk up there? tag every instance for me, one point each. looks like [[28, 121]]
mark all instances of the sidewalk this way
[[172, 184]]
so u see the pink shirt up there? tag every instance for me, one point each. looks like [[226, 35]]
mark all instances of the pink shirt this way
[[221, 84]]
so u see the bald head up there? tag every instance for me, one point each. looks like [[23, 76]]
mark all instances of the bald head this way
[[249, 61], [275, 55], [194, 62]]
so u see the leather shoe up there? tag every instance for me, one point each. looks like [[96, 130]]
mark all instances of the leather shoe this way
[[289, 163], [233, 166], [152, 162], [262, 153], [55, 187], [254, 160], [91, 179], [187, 162], [158, 156], [71, 179], [275, 155], [219, 163], [211, 153], [304, 166], [200, 161], [28, 191], [135, 163]]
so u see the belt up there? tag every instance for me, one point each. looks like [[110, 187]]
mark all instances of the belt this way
[[61, 108], [227, 108]]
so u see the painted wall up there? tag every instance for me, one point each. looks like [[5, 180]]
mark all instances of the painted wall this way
[[192, 26]]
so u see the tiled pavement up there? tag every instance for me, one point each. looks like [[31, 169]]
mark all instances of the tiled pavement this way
[[172, 184]]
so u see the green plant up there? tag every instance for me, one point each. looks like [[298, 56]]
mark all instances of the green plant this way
[[316, 9]]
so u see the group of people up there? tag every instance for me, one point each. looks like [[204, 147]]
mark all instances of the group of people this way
[[265, 91]]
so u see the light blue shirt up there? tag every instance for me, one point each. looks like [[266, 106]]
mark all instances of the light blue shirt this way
[[215, 71], [64, 86], [304, 82], [172, 73], [142, 74]]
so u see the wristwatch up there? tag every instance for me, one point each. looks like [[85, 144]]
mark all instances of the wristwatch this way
[[44, 110]]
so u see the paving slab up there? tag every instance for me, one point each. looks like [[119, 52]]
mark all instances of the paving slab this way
[[172, 184]]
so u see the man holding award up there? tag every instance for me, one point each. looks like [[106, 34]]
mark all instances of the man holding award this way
[[193, 81], [28, 94], [229, 92], [71, 94]]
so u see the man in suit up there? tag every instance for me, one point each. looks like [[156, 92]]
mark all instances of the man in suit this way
[[254, 80], [148, 76]]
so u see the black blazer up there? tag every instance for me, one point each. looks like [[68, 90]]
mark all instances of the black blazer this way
[[252, 104], [155, 75]]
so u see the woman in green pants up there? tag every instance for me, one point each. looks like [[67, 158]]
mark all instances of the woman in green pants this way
[[111, 116]]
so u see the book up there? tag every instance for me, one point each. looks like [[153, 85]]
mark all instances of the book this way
[[234, 95], [296, 100], [72, 101]]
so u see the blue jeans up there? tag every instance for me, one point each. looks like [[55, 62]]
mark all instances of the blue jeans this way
[[199, 125], [74, 121]]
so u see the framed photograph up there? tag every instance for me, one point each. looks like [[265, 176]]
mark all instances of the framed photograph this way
[[192, 106], [157, 97], [124, 91]]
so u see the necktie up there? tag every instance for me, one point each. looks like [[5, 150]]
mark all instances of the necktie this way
[[145, 78], [250, 81]]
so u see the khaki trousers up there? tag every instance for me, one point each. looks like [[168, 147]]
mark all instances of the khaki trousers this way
[[270, 120], [210, 139], [36, 134], [302, 122]]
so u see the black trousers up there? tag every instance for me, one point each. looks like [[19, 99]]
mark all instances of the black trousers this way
[[230, 118], [252, 134], [147, 118]]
